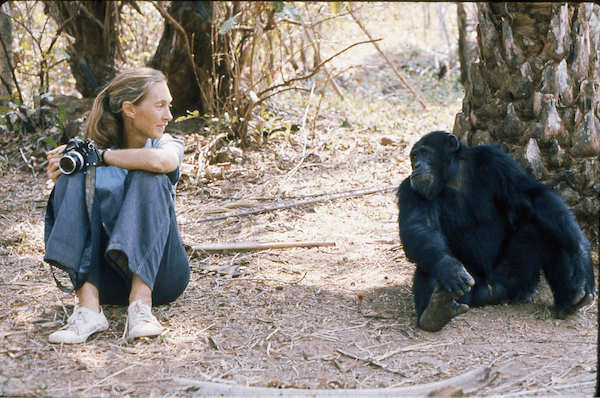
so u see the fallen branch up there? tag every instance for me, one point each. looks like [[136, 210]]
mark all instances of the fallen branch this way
[[371, 361], [469, 382], [252, 246], [416, 347], [325, 197], [578, 386], [263, 280], [99, 383]]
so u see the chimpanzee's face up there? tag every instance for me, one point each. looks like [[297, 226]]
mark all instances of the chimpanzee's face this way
[[424, 178], [430, 157]]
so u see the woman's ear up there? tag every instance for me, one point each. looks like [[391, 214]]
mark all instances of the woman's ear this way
[[128, 109]]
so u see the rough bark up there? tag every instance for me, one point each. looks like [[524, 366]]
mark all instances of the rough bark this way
[[463, 46], [535, 93], [193, 88], [6, 81], [92, 53]]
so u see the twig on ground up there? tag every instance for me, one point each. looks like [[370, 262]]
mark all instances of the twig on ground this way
[[558, 387], [524, 378], [371, 361], [467, 382], [262, 280], [98, 383], [252, 246], [325, 197], [209, 378], [415, 347]]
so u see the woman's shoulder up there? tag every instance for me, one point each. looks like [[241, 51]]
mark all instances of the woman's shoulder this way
[[165, 139]]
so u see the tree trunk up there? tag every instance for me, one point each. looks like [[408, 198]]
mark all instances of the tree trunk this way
[[6, 80], [193, 89], [92, 53], [535, 93], [463, 45]]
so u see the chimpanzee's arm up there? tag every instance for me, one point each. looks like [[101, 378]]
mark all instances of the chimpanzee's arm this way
[[426, 245]]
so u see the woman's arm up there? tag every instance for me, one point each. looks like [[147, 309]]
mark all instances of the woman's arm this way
[[162, 160], [156, 160]]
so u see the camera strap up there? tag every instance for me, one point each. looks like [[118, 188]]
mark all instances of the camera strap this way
[[60, 285]]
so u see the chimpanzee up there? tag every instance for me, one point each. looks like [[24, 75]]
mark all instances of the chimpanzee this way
[[480, 230]]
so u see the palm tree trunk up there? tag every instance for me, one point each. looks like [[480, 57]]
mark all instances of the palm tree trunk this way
[[535, 93]]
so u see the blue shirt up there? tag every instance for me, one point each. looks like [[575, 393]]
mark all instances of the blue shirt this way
[[110, 182]]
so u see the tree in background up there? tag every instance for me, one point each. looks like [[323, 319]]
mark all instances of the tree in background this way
[[184, 54], [535, 92], [95, 44], [222, 58], [6, 59]]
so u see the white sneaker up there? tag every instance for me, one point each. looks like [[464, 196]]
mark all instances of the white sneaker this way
[[80, 325], [141, 321]]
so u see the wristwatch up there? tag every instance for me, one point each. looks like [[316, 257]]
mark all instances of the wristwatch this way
[[102, 152]]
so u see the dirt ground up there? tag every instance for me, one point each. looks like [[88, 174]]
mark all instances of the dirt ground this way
[[331, 317]]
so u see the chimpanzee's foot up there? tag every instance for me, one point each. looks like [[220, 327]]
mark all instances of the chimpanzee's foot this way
[[440, 310], [579, 301]]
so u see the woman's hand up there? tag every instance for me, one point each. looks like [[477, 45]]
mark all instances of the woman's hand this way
[[53, 157]]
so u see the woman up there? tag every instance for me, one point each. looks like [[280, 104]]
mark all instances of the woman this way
[[113, 227]]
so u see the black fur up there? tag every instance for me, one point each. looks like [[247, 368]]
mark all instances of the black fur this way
[[473, 221]]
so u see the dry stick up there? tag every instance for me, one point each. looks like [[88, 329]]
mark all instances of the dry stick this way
[[524, 378], [371, 361], [414, 93], [416, 347], [291, 172], [305, 77], [558, 387], [106, 378], [468, 382], [252, 246], [347, 194], [263, 280], [313, 42]]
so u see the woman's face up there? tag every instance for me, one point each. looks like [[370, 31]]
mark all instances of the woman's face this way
[[149, 118]]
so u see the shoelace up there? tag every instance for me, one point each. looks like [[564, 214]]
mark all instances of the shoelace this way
[[142, 313], [72, 321]]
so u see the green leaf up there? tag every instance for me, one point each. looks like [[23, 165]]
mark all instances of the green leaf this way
[[50, 141], [278, 6], [335, 6]]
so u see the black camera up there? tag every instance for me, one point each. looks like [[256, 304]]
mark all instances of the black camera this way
[[78, 155]]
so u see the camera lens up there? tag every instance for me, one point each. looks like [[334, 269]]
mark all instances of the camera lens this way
[[70, 162]]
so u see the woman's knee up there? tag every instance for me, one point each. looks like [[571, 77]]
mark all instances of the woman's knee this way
[[148, 184], [71, 181], [146, 177]]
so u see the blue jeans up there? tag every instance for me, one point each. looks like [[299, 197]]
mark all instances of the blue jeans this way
[[145, 240]]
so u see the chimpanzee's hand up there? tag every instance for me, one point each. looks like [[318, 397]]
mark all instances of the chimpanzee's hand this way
[[453, 276]]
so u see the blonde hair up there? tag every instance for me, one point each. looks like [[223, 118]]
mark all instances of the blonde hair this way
[[105, 122]]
